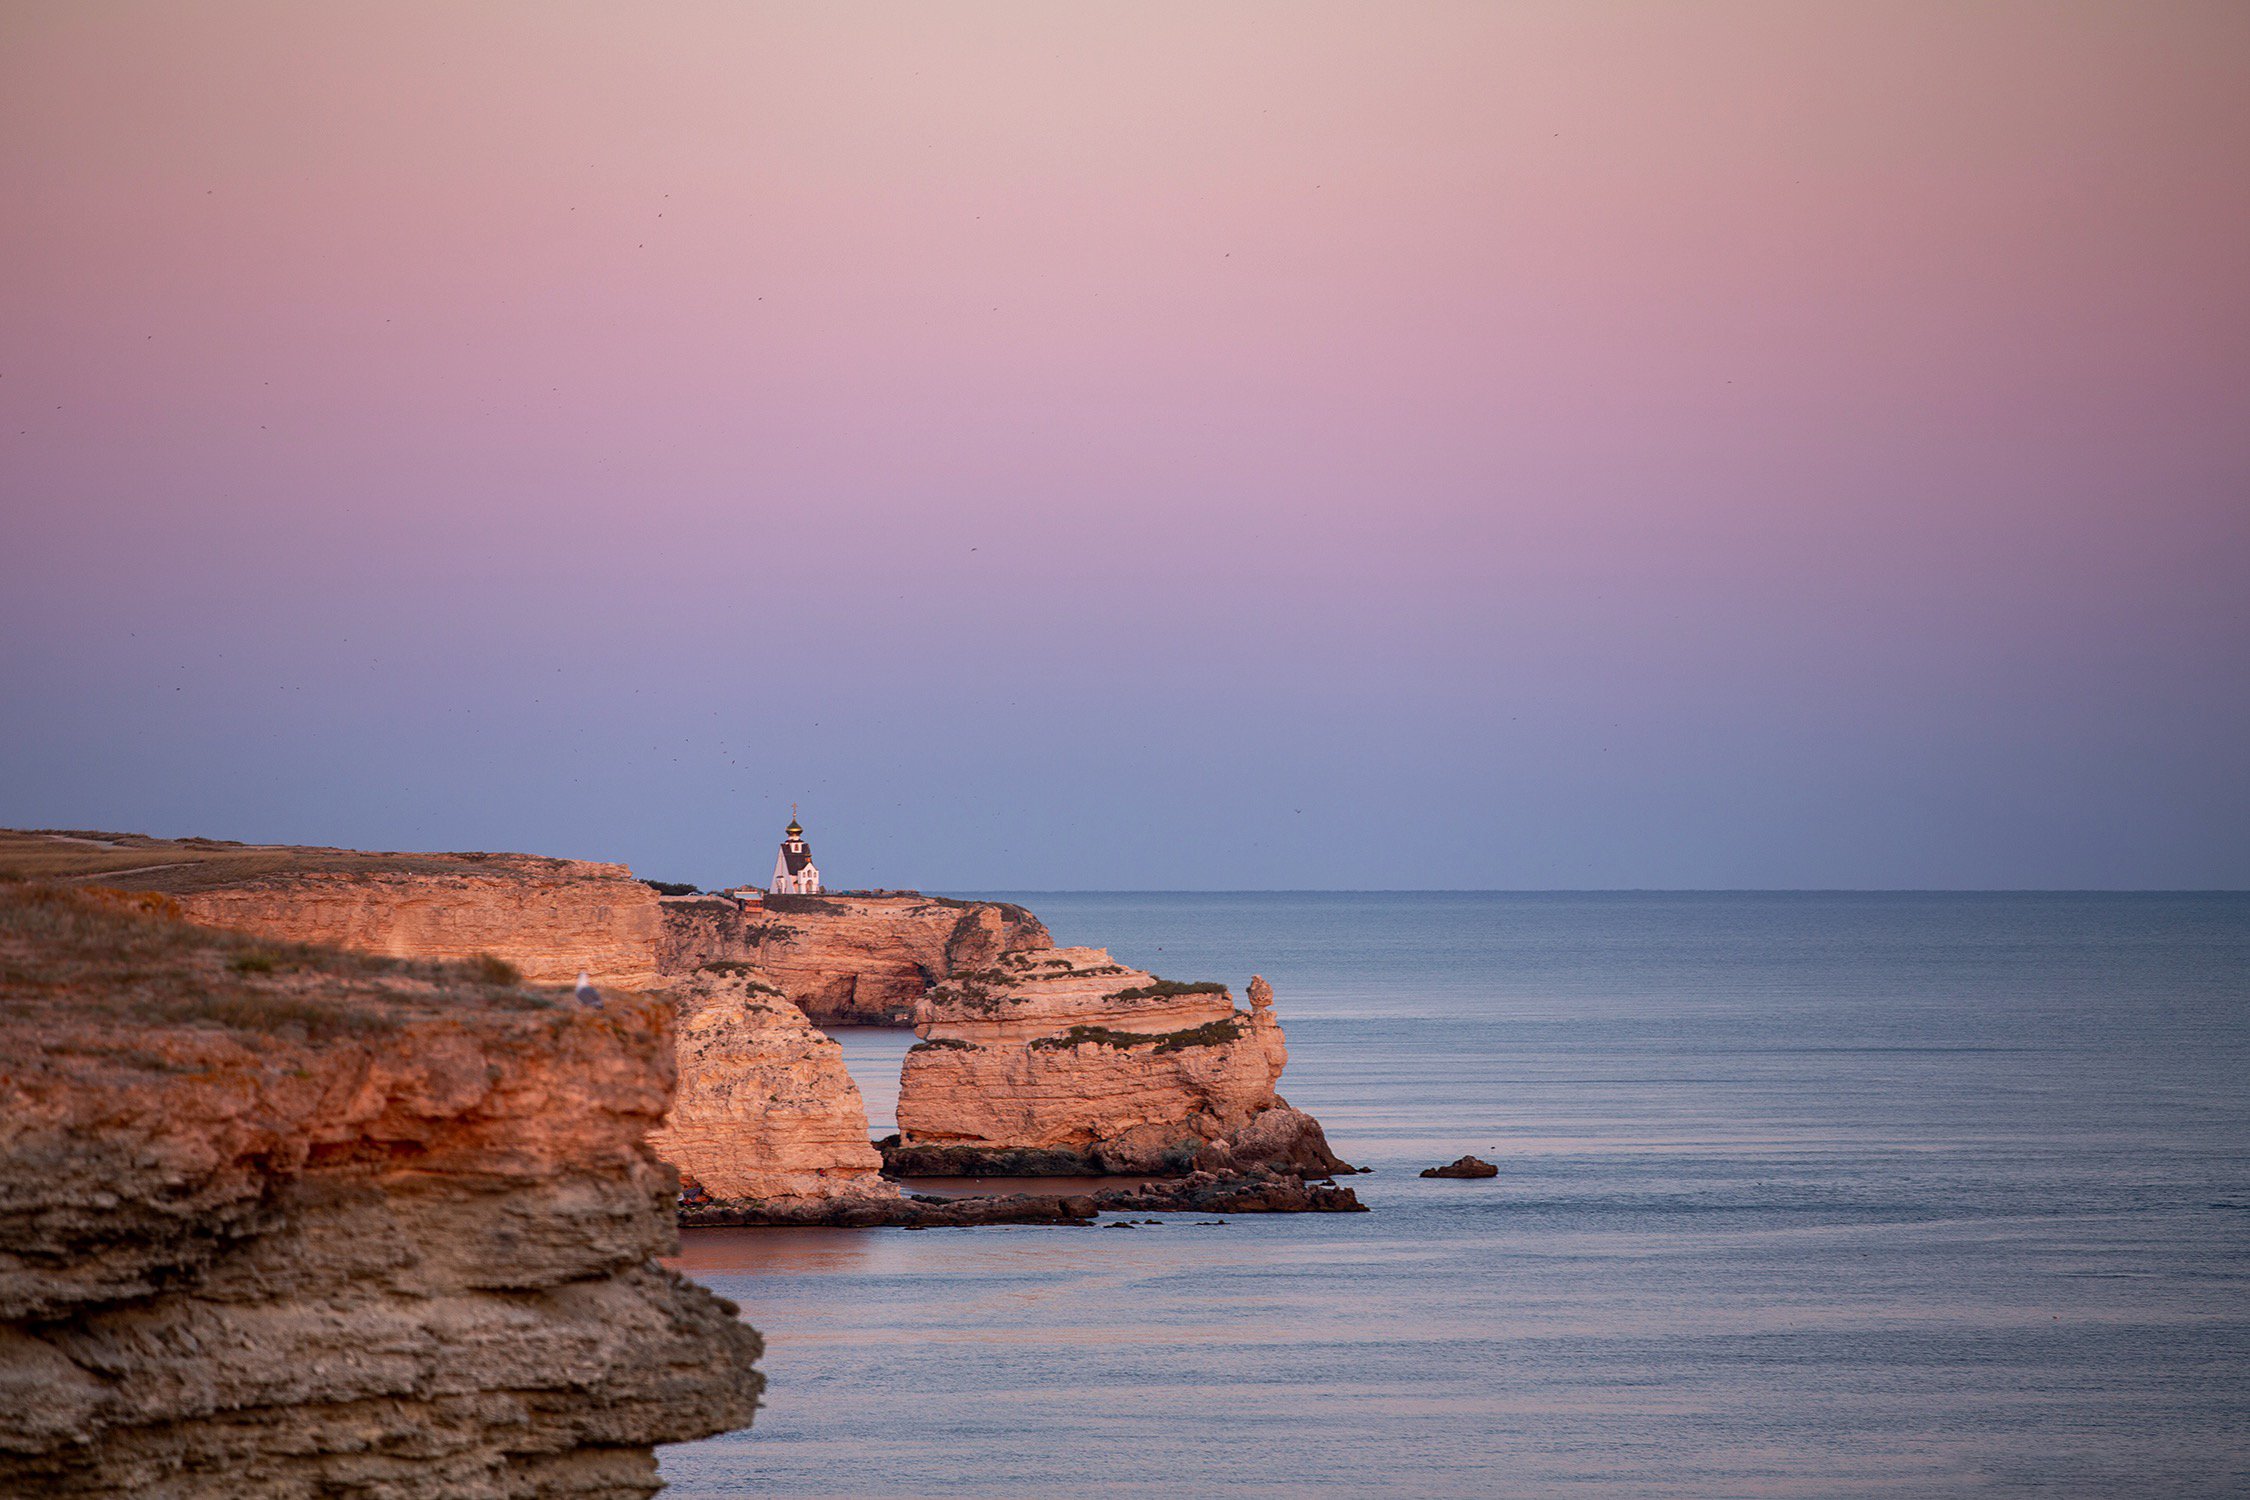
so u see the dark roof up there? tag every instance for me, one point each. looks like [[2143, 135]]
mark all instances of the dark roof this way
[[796, 859]]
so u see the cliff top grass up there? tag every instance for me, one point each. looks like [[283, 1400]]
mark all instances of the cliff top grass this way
[[102, 955], [1209, 1034], [135, 861], [1167, 989]]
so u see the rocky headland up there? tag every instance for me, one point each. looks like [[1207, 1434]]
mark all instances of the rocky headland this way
[[1066, 1061], [849, 960], [1034, 1060], [279, 1220]]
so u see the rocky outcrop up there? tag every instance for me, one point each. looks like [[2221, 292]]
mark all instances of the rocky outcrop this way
[[1467, 1166], [1259, 1190], [280, 1221], [849, 960], [549, 918], [764, 1108], [1099, 1068], [918, 1212]]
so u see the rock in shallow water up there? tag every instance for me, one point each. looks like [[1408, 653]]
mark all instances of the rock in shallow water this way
[[1257, 1191], [1467, 1166], [1066, 1062]]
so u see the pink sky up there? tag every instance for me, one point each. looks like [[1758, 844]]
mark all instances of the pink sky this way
[[1557, 444]]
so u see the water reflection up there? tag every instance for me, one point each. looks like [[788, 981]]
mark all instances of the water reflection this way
[[1799, 1196]]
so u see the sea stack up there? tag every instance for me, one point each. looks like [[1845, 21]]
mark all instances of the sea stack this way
[[1067, 1061], [764, 1108]]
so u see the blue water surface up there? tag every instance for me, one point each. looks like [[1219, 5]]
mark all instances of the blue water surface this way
[[1800, 1194]]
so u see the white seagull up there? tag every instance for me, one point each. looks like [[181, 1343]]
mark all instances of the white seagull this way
[[587, 994]]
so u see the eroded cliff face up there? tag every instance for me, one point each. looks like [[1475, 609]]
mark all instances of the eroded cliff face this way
[[550, 918], [850, 960], [764, 1108], [1099, 1067], [280, 1221]]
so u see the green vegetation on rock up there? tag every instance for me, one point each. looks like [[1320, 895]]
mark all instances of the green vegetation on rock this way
[[1209, 1034]]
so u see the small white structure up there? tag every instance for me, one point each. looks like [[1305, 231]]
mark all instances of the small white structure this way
[[794, 873]]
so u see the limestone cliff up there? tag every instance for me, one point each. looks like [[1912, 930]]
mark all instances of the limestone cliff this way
[[764, 1109], [1098, 1066], [849, 960], [280, 1221], [548, 917]]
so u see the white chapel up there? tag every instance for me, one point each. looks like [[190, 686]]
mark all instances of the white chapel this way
[[794, 873]]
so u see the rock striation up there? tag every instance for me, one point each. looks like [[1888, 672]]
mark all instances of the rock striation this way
[[764, 1109], [1034, 1060], [550, 918], [1068, 1058], [280, 1221], [849, 960]]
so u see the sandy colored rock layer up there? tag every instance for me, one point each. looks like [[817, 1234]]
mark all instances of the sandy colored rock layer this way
[[551, 918], [1070, 1051], [764, 1108], [548, 917], [280, 1222], [849, 960]]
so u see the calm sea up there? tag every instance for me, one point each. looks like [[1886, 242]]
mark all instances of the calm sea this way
[[1821, 1195]]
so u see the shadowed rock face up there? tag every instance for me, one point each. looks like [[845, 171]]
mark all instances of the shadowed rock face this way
[[850, 960], [765, 1109], [283, 1221], [1099, 1067]]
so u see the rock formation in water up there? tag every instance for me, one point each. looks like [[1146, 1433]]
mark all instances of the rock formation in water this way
[[849, 960], [1035, 1060], [276, 1220], [1097, 1067], [1467, 1166], [764, 1108]]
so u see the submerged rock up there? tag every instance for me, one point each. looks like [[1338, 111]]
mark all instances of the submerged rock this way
[[850, 960], [1258, 1191], [1254, 1192], [918, 1212], [1467, 1166]]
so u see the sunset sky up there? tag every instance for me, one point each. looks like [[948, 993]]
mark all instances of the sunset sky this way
[[1119, 446]]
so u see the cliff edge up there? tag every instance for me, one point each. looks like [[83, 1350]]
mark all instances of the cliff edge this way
[[850, 960], [765, 1109], [550, 918], [283, 1221]]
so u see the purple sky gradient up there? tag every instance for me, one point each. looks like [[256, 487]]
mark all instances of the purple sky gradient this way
[[1090, 446]]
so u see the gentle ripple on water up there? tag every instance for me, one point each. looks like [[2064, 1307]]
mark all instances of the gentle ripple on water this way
[[1802, 1195]]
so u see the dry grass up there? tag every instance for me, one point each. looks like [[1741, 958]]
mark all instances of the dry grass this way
[[126, 957], [185, 865]]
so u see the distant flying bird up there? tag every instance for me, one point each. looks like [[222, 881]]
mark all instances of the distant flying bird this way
[[587, 994]]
